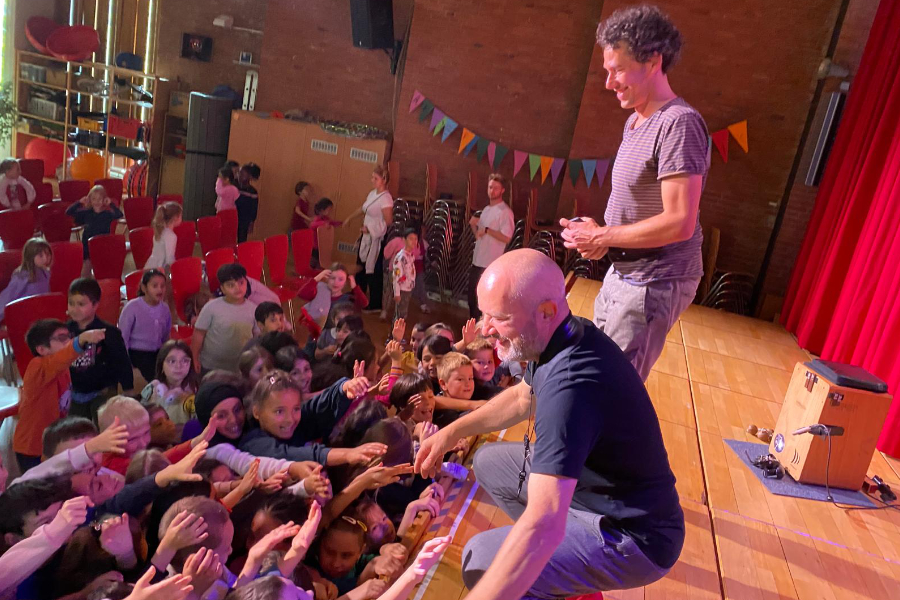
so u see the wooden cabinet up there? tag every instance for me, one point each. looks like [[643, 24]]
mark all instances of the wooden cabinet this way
[[288, 152]]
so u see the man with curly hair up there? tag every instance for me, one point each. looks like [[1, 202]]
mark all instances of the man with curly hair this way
[[652, 232]]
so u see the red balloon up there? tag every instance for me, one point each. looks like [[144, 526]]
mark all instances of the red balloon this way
[[50, 151]]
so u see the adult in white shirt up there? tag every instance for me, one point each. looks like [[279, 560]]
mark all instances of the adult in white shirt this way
[[492, 230], [378, 213]]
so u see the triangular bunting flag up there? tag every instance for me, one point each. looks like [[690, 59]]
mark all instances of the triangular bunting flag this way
[[440, 127], [739, 132], [467, 136], [471, 145], [499, 153], [720, 139], [449, 127], [556, 168], [417, 99], [546, 163], [602, 166], [534, 163], [427, 107], [519, 159], [492, 149], [482, 146], [589, 165], [574, 170], [436, 117]]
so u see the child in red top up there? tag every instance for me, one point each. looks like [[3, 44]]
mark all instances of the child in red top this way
[[300, 219], [46, 383], [324, 212]]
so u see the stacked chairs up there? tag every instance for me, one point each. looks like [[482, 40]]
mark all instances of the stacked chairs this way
[[444, 227]]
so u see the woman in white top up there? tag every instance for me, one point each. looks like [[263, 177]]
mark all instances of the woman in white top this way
[[377, 212], [166, 219]]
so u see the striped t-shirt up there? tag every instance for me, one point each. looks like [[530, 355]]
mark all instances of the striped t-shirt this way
[[673, 141]]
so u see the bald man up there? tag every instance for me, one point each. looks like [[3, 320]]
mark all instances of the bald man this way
[[593, 499]]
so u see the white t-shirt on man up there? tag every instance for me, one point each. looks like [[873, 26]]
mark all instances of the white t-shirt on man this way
[[496, 217]]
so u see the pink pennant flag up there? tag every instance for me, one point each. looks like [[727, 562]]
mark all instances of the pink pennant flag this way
[[519, 159], [556, 168], [417, 99], [492, 149], [436, 117]]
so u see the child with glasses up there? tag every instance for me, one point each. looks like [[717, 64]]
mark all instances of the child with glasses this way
[[175, 383], [45, 390]]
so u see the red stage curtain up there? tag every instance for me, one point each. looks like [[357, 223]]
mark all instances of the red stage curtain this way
[[842, 299]]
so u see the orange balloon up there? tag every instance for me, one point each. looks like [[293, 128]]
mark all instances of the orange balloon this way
[[88, 166]]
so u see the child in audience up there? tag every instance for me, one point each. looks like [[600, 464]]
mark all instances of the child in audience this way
[[226, 190], [164, 433], [419, 291], [347, 324], [253, 363], [327, 289], [225, 324], [481, 353], [45, 390], [15, 191], [165, 220], [276, 404], [300, 219], [145, 323], [293, 361], [32, 276], [96, 213], [429, 354], [324, 219], [413, 397], [339, 557], [269, 316], [403, 272], [247, 203], [331, 337], [457, 380], [174, 383], [102, 366]]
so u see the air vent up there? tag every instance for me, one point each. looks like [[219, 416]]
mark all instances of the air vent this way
[[323, 146], [364, 155]]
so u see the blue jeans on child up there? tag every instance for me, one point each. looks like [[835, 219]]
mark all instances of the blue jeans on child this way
[[590, 558]]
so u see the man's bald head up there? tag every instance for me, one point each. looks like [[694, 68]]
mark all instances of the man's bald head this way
[[524, 276], [523, 297]]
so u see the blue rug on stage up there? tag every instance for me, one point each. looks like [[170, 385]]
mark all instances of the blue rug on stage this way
[[787, 486]]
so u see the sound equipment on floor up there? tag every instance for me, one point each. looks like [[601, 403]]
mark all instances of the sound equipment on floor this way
[[373, 24], [830, 406]]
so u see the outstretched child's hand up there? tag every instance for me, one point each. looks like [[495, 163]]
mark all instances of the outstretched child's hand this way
[[250, 479], [93, 336], [183, 470], [469, 332], [172, 588], [70, 517], [204, 568], [316, 484], [274, 483], [325, 274], [111, 440], [186, 530], [428, 556], [398, 332], [424, 430], [366, 452], [206, 435], [267, 543], [380, 476], [371, 589], [115, 537], [356, 387], [395, 351], [359, 369], [304, 538]]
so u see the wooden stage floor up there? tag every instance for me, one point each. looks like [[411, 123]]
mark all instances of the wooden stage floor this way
[[719, 373]]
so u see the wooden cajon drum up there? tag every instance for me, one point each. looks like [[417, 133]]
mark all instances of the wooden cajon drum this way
[[831, 394]]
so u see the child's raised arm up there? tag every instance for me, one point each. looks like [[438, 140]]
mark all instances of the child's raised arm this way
[[428, 556]]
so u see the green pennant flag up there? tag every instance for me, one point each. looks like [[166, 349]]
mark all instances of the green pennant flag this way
[[534, 163], [482, 146], [427, 108], [439, 126], [499, 153], [574, 170]]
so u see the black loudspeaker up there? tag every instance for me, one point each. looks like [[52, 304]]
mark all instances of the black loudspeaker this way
[[373, 23]]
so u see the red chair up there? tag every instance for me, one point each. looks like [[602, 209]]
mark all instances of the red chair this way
[[229, 220], [9, 262], [186, 275], [214, 260], [138, 211], [251, 256], [22, 313], [181, 332], [276, 256], [163, 198], [110, 300], [302, 247], [209, 230], [133, 284], [114, 188], [33, 170], [68, 259], [54, 223], [141, 240], [107, 256], [187, 238], [16, 227], [73, 190]]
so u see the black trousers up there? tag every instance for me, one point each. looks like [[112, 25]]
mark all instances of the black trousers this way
[[145, 362], [475, 274], [373, 283]]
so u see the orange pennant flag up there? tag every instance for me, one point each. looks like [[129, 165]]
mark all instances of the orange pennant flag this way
[[467, 136], [546, 163], [739, 133]]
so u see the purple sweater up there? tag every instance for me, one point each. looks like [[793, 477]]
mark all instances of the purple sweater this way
[[19, 287], [145, 327]]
